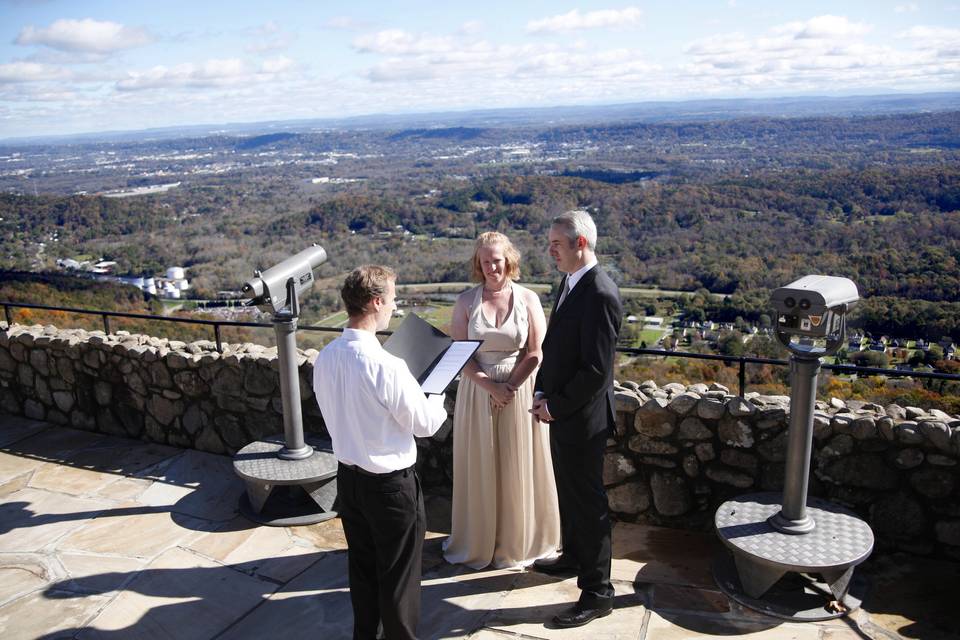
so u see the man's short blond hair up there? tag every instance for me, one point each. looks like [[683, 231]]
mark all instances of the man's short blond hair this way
[[510, 254], [363, 285]]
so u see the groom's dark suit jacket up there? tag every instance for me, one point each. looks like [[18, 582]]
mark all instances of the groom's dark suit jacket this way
[[579, 349]]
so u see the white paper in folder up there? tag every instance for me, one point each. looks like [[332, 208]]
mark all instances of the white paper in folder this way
[[449, 365], [432, 356]]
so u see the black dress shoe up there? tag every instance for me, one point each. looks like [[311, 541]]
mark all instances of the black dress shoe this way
[[562, 565], [577, 616]]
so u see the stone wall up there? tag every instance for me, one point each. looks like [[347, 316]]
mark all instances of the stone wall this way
[[681, 451], [678, 452], [186, 395]]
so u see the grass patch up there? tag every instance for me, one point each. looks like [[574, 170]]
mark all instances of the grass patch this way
[[337, 319], [650, 336]]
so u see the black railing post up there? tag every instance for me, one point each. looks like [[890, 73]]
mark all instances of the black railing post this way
[[216, 335], [6, 312], [743, 376], [106, 324]]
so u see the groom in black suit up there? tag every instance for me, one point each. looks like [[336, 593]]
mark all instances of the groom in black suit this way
[[574, 393]]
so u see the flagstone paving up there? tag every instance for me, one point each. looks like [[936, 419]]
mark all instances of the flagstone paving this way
[[103, 537]]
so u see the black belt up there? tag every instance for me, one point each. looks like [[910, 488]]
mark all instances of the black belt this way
[[364, 472]]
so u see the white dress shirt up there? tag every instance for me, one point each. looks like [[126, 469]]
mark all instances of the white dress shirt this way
[[371, 403], [574, 278]]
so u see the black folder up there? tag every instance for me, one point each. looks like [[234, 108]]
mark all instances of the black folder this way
[[423, 347]]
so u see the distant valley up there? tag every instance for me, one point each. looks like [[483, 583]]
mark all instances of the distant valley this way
[[732, 197]]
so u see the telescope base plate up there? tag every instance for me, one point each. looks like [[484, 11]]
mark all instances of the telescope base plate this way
[[798, 597], [762, 555], [286, 508], [282, 492]]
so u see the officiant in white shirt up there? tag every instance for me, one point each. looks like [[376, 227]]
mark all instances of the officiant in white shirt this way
[[373, 407]]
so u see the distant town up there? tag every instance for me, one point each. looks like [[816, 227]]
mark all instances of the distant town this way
[[172, 285]]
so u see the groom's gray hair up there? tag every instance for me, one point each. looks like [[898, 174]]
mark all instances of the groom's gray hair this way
[[578, 223]]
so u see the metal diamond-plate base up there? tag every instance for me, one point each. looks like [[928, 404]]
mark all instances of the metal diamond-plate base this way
[[283, 492], [840, 539], [258, 462], [763, 555], [288, 506], [798, 597]]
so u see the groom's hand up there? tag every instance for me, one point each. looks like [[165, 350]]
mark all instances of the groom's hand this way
[[539, 409]]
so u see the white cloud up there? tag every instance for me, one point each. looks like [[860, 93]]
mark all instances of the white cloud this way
[[911, 7], [470, 28], [720, 44], [827, 51], [37, 94], [932, 34], [55, 57], [574, 20], [278, 64], [481, 63], [824, 27], [216, 73], [399, 42], [17, 72], [399, 70], [942, 43], [85, 36], [607, 65], [270, 37], [344, 23]]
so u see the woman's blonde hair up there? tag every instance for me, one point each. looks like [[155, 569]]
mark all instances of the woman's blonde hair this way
[[510, 254]]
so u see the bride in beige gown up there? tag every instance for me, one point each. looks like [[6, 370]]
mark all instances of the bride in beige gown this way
[[505, 509]]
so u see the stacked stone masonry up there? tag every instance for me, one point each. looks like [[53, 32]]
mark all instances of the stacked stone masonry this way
[[677, 453]]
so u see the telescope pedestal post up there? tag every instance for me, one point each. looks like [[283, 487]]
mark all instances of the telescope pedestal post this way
[[294, 448], [793, 517], [808, 538]]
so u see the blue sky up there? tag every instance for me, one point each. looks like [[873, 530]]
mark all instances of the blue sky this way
[[70, 66]]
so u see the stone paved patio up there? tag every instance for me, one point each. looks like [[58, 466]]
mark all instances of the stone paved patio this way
[[103, 537]]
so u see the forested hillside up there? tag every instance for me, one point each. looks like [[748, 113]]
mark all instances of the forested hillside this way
[[735, 207]]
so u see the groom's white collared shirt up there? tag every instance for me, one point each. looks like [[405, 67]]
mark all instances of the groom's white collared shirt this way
[[574, 278]]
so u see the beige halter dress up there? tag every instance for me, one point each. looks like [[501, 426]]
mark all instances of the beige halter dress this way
[[504, 510]]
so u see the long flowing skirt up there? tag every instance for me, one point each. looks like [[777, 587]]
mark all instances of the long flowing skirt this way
[[504, 510]]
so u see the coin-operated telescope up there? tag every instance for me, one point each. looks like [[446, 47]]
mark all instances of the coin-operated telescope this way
[[814, 307], [278, 289], [771, 534], [268, 464]]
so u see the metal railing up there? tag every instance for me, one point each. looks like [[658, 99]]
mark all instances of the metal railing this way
[[106, 315], [742, 361]]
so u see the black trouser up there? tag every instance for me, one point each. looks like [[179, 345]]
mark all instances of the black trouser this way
[[384, 522], [584, 514]]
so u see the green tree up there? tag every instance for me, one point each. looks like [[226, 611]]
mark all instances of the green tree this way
[[876, 359]]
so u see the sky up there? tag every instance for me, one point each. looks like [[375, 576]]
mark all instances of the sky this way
[[73, 66]]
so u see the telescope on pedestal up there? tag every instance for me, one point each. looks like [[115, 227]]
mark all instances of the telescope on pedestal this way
[[288, 461], [771, 535]]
